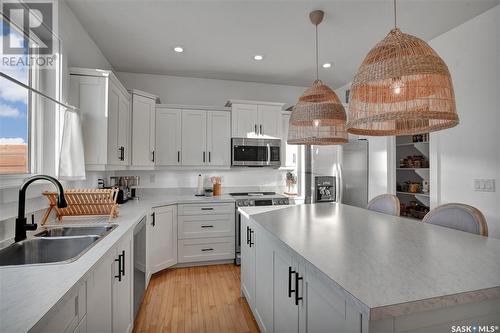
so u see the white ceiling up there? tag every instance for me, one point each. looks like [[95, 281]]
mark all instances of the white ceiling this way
[[221, 37]]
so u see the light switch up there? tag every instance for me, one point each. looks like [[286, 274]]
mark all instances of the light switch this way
[[484, 185]]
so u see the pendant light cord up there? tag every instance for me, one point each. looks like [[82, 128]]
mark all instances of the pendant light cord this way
[[317, 61], [395, 15]]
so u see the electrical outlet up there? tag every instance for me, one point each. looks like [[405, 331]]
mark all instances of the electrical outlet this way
[[484, 185]]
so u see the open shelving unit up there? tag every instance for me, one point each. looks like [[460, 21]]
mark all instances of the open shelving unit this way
[[405, 148]]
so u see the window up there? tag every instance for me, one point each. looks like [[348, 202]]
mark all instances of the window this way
[[15, 110]]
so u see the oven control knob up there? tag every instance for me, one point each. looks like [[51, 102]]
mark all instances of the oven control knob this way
[[251, 203], [245, 203]]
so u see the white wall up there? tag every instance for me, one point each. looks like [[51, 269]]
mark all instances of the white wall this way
[[471, 150], [195, 91]]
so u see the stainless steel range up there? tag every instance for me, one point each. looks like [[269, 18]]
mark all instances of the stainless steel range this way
[[244, 199]]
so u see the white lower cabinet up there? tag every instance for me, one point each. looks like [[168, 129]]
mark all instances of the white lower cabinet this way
[[205, 232], [68, 315], [109, 291], [163, 238], [122, 287], [247, 261], [285, 293]]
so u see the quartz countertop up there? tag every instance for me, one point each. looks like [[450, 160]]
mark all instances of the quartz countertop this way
[[392, 265], [28, 292]]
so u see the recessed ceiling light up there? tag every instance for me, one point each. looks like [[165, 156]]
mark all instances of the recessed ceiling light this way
[[327, 65], [178, 49], [258, 57]]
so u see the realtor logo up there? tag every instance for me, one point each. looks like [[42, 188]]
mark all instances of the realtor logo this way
[[35, 20]]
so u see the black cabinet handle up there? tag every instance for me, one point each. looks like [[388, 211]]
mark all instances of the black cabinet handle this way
[[209, 249], [290, 273], [119, 276], [121, 151], [255, 129], [207, 208], [251, 233], [153, 156], [248, 235], [178, 156], [260, 132], [207, 226], [203, 157], [153, 223], [209, 156], [123, 262], [297, 279]]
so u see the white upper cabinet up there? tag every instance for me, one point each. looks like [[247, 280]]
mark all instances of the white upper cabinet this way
[[255, 119], [194, 133], [269, 117], [218, 138], [168, 136], [244, 120], [143, 128], [289, 153], [105, 113]]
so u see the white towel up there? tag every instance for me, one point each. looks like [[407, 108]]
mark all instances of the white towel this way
[[71, 158]]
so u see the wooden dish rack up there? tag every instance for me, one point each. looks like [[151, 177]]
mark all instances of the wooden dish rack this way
[[84, 202]]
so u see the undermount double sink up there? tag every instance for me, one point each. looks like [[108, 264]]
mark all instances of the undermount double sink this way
[[54, 245]]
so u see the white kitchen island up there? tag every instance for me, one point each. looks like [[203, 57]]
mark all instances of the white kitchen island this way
[[336, 268]]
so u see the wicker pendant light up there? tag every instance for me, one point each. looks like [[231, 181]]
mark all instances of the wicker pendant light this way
[[402, 87], [319, 117]]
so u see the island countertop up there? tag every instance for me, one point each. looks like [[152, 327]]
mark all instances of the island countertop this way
[[392, 265]]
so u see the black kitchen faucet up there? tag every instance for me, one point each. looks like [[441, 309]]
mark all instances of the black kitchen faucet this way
[[21, 225]]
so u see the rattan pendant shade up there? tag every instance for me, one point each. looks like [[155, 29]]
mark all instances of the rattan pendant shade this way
[[319, 117], [402, 87]]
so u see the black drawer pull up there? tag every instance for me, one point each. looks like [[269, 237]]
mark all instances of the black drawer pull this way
[[290, 290], [123, 262], [251, 242], [207, 208], [209, 249], [248, 235], [119, 259], [207, 226], [297, 279]]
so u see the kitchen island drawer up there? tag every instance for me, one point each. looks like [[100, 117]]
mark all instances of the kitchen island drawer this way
[[205, 249], [206, 209], [200, 226]]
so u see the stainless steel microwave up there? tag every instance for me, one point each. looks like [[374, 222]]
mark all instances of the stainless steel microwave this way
[[256, 152]]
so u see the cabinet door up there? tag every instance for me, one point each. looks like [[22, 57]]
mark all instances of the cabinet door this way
[[264, 282], [89, 95], [99, 296], [114, 153], [244, 120], [288, 152], [194, 137], [124, 129], [168, 136], [122, 287], [163, 232], [143, 110], [286, 313], [269, 120], [323, 309], [218, 138], [248, 261]]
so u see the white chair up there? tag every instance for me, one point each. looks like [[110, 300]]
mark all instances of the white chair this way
[[385, 203], [458, 216]]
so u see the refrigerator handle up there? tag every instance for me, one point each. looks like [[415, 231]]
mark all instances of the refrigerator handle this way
[[340, 183]]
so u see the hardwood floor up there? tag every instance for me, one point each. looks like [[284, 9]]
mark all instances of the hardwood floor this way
[[195, 299]]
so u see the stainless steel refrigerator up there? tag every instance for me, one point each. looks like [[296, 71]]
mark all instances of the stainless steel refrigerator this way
[[349, 165]]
